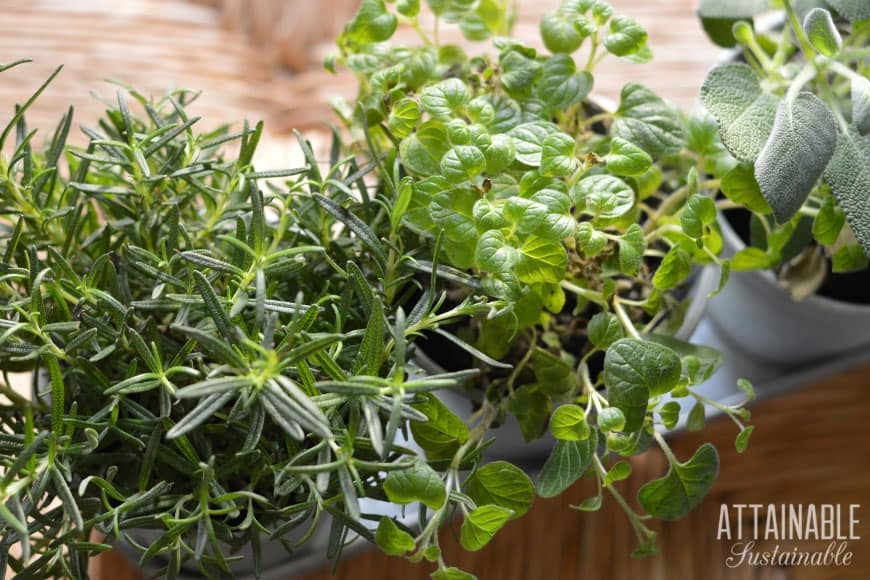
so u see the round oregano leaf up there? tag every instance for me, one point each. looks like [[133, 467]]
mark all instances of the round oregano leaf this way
[[525, 214], [849, 258], [529, 140], [416, 483], [675, 267], [670, 414], [421, 152], [481, 524], [626, 158], [442, 99], [683, 487], [500, 153], [634, 371], [604, 196], [462, 163], [372, 23], [403, 117], [409, 8], [645, 119], [519, 72], [557, 155], [488, 216], [631, 245], [507, 113], [443, 433], [739, 186], [829, 222], [555, 374], [559, 32], [452, 573], [621, 470], [590, 241], [541, 260], [604, 329], [561, 85], [493, 253], [568, 423], [626, 37], [611, 419], [502, 484], [393, 540], [568, 461], [699, 212], [742, 440], [697, 417], [458, 132], [480, 110]]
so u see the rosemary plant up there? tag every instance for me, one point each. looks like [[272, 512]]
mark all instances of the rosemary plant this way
[[218, 355]]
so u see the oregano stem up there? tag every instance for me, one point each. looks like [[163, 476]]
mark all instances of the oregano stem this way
[[640, 529], [624, 319], [729, 411], [523, 362], [674, 200], [591, 295], [664, 446]]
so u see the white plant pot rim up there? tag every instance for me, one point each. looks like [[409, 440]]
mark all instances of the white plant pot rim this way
[[735, 243]]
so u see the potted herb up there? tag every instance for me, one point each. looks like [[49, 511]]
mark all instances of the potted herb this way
[[588, 224], [220, 366], [793, 108]]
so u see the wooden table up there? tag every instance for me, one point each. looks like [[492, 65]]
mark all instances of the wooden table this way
[[809, 446]]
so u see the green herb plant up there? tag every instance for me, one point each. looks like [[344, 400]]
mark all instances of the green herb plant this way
[[220, 356], [588, 224], [796, 115]]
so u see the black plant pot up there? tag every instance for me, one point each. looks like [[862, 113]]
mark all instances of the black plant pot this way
[[509, 444]]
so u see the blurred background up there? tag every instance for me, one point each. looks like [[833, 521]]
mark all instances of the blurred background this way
[[262, 59]]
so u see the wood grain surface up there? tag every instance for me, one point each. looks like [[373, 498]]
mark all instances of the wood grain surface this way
[[810, 446], [222, 48]]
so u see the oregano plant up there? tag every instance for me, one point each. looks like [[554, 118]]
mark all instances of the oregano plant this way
[[587, 224], [795, 113]]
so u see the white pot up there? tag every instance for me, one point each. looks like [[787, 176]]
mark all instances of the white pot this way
[[760, 318]]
